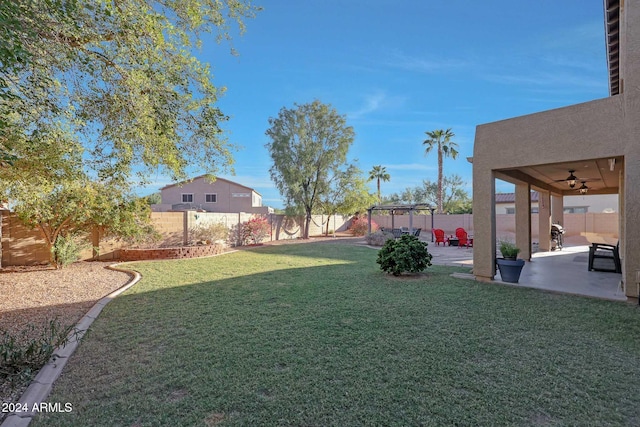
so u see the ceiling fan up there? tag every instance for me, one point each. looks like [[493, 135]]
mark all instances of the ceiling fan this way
[[572, 180]]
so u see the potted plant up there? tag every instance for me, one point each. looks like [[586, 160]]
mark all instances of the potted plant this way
[[510, 267], [509, 250]]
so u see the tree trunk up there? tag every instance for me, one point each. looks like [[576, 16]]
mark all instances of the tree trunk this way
[[307, 224], [440, 181]]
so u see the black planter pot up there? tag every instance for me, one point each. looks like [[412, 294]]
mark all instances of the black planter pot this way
[[510, 269]]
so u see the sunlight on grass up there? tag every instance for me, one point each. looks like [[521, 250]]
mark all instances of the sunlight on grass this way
[[237, 264], [316, 334]]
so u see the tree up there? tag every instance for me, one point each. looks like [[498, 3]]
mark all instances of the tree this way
[[72, 207], [455, 198], [119, 78], [309, 145], [441, 141], [379, 173], [347, 194], [153, 198]]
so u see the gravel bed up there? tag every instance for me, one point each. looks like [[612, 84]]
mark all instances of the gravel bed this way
[[35, 295]]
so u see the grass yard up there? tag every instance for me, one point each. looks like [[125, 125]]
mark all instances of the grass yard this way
[[316, 335]]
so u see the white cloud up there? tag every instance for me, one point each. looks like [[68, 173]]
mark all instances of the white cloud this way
[[372, 103]]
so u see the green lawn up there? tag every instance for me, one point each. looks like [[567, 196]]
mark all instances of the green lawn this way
[[316, 335]]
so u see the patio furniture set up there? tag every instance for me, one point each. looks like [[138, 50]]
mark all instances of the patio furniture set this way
[[461, 238], [398, 232]]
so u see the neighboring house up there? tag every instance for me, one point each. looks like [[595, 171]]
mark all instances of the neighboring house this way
[[552, 152], [201, 194], [597, 203]]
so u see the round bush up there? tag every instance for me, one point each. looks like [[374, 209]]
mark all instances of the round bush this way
[[407, 254]]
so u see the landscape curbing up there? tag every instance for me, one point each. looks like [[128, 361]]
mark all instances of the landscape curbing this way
[[41, 386]]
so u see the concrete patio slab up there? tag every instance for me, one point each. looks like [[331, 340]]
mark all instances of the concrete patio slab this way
[[562, 271]]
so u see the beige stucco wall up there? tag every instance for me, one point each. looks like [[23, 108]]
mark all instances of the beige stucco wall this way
[[598, 129]]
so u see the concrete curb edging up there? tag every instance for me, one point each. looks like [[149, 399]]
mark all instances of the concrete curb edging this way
[[41, 385]]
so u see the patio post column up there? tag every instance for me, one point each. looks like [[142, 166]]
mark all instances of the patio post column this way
[[484, 223], [557, 209], [544, 221], [411, 220], [368, 217], [629, 224], [523, 220]]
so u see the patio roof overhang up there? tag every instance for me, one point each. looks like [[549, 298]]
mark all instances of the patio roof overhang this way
[[602, 176]]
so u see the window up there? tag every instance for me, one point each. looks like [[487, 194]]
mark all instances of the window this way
[[211, 198], [187, 198]]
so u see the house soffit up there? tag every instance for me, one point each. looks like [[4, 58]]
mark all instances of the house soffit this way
[[601, 176], [612, 41]]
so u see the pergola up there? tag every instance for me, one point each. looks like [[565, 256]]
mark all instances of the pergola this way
[[403, 208]]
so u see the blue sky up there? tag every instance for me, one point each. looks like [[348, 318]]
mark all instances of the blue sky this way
[[399, 68]]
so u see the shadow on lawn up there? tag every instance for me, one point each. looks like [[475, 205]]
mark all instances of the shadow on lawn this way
[[339, 343]]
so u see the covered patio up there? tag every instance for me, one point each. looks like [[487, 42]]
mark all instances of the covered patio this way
[[589, 148]]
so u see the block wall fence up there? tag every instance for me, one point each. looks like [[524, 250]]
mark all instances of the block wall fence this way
[[23, 246]]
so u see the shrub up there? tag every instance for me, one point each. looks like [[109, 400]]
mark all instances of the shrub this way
[[22, 355], [378, 238], [407, 254], [66, 250], [208, 233], [255, 230], [360, 226], [508, 249]]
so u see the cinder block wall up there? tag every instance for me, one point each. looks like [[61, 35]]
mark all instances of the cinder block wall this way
[[21, 245], [580, 229]]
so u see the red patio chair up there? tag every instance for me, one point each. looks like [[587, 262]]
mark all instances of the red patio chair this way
[[463, 237], [439, 235]]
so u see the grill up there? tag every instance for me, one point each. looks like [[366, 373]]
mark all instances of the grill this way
[[556, 236]]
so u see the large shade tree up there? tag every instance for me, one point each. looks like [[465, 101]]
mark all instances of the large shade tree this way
[[309, 145], [347, 194], [440, 141], [379, 173], [119, 79]]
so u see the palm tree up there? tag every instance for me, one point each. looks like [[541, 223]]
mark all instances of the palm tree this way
[[379, 173], [441, 139]]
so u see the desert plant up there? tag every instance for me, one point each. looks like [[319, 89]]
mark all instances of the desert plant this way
[[360, 226], [378, 238], [24, 353], [65, 250], [208, 233], [508, 249], [407, 254], [255, 230]]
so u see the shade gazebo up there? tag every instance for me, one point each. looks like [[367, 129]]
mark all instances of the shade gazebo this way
[[403, 208]]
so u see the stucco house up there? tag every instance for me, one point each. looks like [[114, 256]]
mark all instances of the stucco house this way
[[201, 194], [553, 151]]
